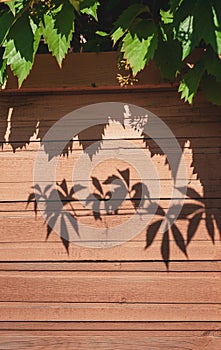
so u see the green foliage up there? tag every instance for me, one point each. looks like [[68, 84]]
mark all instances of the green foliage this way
[[168, 55], [126, 19], [5, 24], [89, 7], [212, 89], [57, 29], [190, 82], [139, 44], [167, 32]]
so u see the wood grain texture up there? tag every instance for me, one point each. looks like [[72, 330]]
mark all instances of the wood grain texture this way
[[108, 342], [52, 251], [75, 72], [112, 287], [206, 328], [122, 297], [16, 311], [131, 266]]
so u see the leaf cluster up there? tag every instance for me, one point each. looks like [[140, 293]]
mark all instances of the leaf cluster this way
[[165, 31]]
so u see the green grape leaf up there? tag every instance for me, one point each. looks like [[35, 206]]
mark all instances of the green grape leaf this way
[[184, 35], [217, 9], [184, 9], [217, 22], [168, 57], [64, 21], [89, 7], [166, 16], [22, 36], [203, 24], [126, 19], [212, 64], [218, 41], [190, 82], [19, 64], [15, 6], [3, 67], [212, 89], [58, 30], [139, 44], [5, 24]]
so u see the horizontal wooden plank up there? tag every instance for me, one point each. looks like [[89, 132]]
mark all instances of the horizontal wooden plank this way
[[75, 71], [111, 341], [147, 266], [106, 342], [208, 171], [202, 130], [114, 287], [163, 104], [22, 227], [188, 207], [54, 251], [14, 311], [201, 145], [11, 191], [208, 328], [114, 333]]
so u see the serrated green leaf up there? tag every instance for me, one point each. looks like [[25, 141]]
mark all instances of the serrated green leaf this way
[[212, 89], [58, 30], [117, 34], [217, 7], [126, 19], [20, 65], [203, 24], [3, 67], [22, 29], [217, 23], [184, 10], [6, 20], [139, 44], [166, 16], [212, 64], [11, 5], [218, 42], [64, 21], [89, 7], [168, 57], [184, 35], [15, 6], [190, 82]]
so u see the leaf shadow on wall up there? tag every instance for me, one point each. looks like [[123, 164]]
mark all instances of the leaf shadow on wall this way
[[206, 164]]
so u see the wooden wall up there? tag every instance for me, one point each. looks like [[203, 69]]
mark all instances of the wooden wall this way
[[122, 297]]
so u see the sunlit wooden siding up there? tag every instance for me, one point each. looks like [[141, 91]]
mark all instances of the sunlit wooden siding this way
[[116, 298]]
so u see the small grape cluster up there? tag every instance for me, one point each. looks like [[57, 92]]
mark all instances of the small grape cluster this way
[[128, 79]]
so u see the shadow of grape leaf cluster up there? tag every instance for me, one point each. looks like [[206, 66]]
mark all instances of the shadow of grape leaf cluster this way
[[123, 189], [55, 210], [113, 199]]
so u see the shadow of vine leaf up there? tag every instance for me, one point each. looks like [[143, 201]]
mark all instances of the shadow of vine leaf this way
[[203, 207], [140, 195], [98, 198], [3, 125], [164, 227], [86, 142], [54, 208]]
